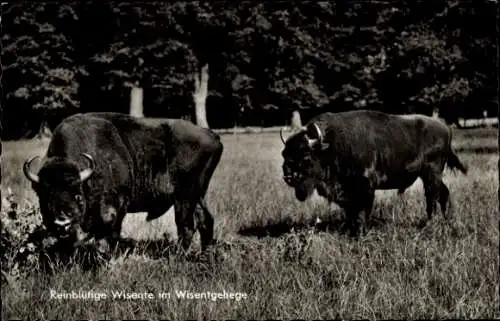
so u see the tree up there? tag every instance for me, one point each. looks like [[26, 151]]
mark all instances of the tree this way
[[37, 61], [136, 98], [200, 96], [268, 62]]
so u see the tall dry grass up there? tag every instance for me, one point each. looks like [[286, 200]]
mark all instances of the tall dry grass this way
[[288, 257]]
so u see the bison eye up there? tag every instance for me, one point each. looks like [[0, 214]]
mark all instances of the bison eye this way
[[79, 198]]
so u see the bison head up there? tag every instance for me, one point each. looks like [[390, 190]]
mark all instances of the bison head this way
[[301, 163], [59, 186]]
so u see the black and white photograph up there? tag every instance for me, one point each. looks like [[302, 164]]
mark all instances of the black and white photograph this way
[[250, 160]]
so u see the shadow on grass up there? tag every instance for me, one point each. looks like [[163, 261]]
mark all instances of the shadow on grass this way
[[477, 149], [90, 259], [49, 254], [327, 223], [154, 249]]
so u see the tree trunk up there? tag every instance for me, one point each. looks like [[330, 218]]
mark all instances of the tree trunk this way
[[296, 122], [435, 113], [200, 96], [136, 97], [485, 119], [44, 131]]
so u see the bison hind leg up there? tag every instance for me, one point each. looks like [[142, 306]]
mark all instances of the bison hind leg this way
[[205, 224], [432, 188], [184, 219], [445, 201]]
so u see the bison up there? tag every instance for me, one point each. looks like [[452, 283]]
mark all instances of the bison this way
[[100, 166], [346, 156]]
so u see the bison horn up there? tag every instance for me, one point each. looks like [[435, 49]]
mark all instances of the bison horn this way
[[27, 171], [86, 173], [318, 132], [314, 132], [281, 135]]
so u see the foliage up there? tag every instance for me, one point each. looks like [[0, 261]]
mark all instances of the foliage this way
[[22, 237], [26, 245], [311, 56]]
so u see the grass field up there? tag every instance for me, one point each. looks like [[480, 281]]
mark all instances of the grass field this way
[[290, 258]]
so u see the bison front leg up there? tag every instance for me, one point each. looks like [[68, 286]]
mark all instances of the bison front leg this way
[[368, 206], [358, 213], [445, 202], [112, 220], [116, 227], [353, 220], [184, 219]]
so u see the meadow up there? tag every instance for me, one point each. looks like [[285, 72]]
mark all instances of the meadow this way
[[290, 259]]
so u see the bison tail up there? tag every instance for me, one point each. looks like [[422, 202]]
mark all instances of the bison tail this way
[[454, 162]]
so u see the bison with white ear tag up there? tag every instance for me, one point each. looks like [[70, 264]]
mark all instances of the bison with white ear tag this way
[[347, 156], [302, 160], [315, 137]]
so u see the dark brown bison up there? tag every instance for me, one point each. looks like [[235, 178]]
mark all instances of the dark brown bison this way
[[347, 156], [99, 166]]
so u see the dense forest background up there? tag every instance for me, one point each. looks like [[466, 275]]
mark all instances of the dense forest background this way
[[265, 59]]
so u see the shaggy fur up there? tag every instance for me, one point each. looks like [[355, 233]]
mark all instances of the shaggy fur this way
[[357, 152], [141, 165]]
